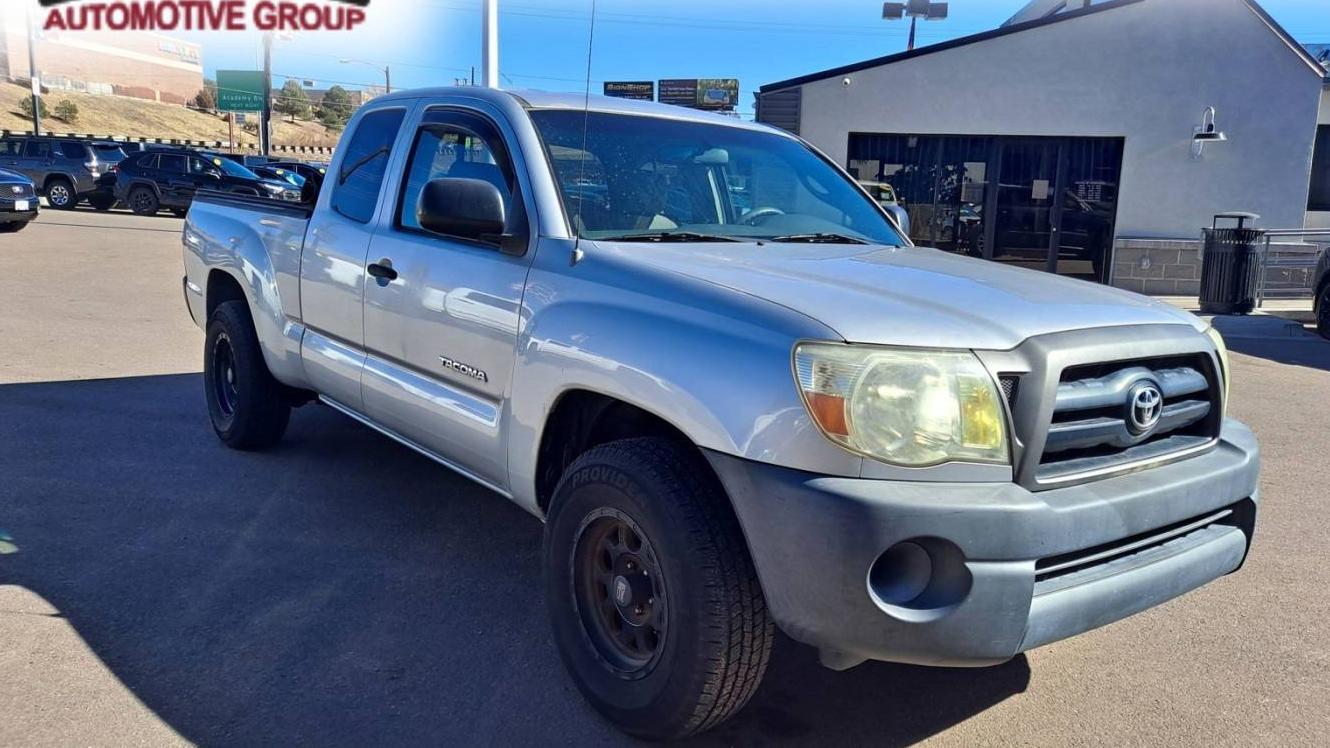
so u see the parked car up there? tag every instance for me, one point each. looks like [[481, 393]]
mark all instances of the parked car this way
[[152, 180], [277, 174], [1321, 296], [18, 201], [65, 170], [728, 419], [309, 172]]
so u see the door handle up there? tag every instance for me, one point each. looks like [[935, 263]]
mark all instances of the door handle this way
[[383, 270]]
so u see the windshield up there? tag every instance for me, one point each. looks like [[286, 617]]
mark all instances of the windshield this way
[[648, 176], [232, 169]]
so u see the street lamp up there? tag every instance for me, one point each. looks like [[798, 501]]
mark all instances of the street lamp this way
[[914, 10], [386, 70]]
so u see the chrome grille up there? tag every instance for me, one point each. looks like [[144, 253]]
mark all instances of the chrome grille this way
[[1093, 427]]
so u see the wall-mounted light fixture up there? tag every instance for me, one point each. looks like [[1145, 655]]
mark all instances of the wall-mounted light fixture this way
[[1207, 132]]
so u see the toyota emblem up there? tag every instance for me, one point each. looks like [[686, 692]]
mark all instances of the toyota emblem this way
[[1145, 404]]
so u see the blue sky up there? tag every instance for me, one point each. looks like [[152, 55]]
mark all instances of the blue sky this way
[[544, 42]]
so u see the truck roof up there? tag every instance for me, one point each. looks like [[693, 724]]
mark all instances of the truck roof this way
[[535, 99]]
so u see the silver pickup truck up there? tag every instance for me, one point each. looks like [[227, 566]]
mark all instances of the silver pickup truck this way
[[736, 395]]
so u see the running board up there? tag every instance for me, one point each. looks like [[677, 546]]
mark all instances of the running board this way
[[344, 410]]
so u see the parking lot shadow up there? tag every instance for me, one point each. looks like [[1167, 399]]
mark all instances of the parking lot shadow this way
[[341, 590]]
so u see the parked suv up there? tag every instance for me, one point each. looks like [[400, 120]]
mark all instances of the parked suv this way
[[169, 178], [18, 201], [64, 170]]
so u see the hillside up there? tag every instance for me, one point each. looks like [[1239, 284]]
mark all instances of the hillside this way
[[114, 115]]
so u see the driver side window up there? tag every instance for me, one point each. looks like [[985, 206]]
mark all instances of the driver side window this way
[[447, 151]]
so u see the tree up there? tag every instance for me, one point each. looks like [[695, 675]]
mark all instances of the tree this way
[[335, 109], [25, 108], [206, 98], [67, 111], [293, 101]]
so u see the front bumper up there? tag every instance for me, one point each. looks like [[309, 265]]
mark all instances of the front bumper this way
[[9, 215], [1141, 539]]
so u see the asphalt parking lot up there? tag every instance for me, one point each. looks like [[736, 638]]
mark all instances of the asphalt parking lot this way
[[156, 588]]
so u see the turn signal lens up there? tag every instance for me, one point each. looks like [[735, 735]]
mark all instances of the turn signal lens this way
[[909, 407]]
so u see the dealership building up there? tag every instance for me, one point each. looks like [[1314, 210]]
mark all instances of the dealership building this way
[[140, 64], [1092, 139]]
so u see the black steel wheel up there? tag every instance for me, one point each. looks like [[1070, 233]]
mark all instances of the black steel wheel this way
[[620, 592], [60, 194], [652, 596], [249, 409]]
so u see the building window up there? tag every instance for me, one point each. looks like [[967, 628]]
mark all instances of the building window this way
[[1319, 198]]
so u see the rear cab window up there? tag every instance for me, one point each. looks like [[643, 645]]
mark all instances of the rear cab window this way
[[365, 163]]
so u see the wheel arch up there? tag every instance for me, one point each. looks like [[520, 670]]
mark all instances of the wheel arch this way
[[582, 419]]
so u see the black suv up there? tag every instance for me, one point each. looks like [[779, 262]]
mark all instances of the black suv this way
[[65, 170], [168, 178]]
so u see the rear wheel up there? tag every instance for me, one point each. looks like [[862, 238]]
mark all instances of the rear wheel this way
[[143, 201], [652, 595], [60, 194], [248, 407], [102, 203]]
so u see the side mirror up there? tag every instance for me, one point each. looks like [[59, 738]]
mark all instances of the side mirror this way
[[464, 208]]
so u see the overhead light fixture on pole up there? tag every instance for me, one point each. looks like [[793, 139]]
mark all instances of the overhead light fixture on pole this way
[[914, 10], [386, 70]]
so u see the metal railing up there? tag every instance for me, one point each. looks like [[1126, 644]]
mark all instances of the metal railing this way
[[1292, 265]]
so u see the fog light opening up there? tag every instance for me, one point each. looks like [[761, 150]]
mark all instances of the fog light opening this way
[[920, 579]]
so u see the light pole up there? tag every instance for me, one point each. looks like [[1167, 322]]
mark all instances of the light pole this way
[[489, 44], [914, 10], [386, 70], [32, 74]]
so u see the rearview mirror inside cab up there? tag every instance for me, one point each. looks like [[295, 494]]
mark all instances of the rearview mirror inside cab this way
[[464, 208]]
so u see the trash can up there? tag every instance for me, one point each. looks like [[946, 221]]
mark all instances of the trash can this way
[[1230, 262]]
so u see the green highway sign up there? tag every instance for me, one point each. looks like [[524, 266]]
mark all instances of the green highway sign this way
[[240, 90]]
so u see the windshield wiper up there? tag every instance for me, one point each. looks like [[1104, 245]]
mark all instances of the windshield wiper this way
[[669, 236], [819, 238]]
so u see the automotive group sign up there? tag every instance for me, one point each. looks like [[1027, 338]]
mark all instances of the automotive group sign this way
[[203, 15]]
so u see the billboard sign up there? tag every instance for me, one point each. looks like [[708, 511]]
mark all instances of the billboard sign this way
[[701, 93], [639, 90], [240, 90]]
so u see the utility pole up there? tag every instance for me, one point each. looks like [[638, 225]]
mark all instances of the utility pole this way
[[36, 78], [914, 10], [265, 135], [489, 44]]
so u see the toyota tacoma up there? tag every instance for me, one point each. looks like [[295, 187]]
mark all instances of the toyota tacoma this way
[[730, 418]]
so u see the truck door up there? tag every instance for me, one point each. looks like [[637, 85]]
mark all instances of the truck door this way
[[442, 317], [332, 263]]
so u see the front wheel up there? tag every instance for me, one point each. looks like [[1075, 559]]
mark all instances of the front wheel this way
[[653, 598], [248, 407]]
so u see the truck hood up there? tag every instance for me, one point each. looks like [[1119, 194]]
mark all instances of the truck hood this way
[[911, 296]]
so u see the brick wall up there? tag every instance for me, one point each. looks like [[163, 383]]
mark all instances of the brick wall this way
[[1172, 267], [1161, 267]]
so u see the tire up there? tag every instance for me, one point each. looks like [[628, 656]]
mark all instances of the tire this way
[[180, 212], [248, 407], [697, 647], [1323, 312], [102, 203], [60, 194], [143, 201]]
